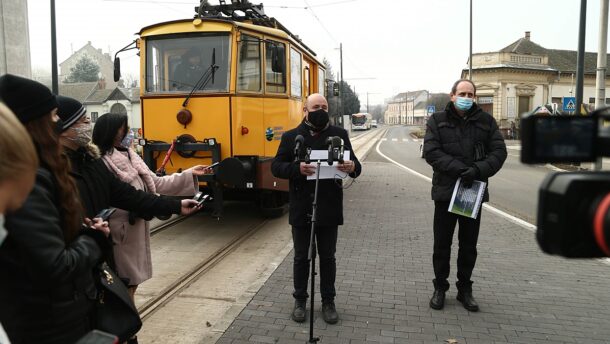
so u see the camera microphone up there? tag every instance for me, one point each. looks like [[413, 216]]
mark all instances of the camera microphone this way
[[298, 143]]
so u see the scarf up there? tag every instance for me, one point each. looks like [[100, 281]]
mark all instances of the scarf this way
[[127, 169]]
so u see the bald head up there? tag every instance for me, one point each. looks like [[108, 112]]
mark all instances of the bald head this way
[[315, 102]]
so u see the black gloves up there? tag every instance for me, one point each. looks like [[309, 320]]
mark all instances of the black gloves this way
[[468, 175]]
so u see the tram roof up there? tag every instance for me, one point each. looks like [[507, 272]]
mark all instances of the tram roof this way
[[187, 25]]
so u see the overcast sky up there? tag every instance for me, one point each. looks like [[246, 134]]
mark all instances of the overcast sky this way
[[388, 46]]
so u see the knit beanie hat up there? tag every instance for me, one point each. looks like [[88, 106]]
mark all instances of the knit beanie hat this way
[[28, 99], [70, 110]]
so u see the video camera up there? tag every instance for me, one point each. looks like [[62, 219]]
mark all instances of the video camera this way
[[573, 217]]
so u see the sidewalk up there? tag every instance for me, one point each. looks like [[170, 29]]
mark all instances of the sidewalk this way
[[384, 274]]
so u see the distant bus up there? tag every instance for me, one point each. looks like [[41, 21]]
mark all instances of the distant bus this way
[[361, 121]]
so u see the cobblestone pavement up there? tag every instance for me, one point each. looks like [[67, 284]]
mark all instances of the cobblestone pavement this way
[[384, 274]]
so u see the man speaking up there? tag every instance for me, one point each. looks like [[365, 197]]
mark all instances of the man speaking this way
[[314, 131]]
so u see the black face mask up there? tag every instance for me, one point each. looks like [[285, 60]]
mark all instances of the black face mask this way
[[318, 118]]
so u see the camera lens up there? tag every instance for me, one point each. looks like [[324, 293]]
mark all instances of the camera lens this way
[[601, 224]]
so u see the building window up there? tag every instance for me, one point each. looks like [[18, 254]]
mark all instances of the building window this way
[[93, 116], [525, 59], [591, 100]]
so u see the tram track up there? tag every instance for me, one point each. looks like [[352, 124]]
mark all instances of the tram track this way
[[171, 291], [167, 224]]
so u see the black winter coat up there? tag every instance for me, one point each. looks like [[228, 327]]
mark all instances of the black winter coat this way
[[330, 193], [449, 147], [99, 189], [46, 288]]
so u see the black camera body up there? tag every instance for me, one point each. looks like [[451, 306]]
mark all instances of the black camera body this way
[[573, 218]]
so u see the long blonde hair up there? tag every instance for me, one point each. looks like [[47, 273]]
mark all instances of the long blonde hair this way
[[16, 147]]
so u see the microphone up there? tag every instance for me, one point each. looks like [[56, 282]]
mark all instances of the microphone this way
[[330, 142], [337, 144], [341, 152], [298, 143]]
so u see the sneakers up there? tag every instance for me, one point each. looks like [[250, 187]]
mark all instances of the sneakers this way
[[299, 313], [468, 301], [438, 299], [329, 313]]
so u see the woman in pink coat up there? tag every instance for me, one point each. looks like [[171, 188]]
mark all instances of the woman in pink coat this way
[[130, 232]]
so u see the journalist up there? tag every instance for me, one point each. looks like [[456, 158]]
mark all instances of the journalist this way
[[463, 142], [47, 290], [315, 129], [98, 187]]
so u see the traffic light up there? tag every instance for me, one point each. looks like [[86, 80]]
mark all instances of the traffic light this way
[[335, 89]]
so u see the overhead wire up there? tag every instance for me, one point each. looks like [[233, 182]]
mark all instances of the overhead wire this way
[[328, 32]]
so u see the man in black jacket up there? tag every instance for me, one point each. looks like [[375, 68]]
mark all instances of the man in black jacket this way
[[315, 128], [463, 142]]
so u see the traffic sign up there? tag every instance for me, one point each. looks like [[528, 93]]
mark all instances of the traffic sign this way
[[430, 109], [569, 104]]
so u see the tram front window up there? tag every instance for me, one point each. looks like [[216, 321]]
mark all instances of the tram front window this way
[[177, 63], [358, 120]]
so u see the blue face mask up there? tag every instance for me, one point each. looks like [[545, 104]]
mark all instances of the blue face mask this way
[[463, 103], [127, 140]]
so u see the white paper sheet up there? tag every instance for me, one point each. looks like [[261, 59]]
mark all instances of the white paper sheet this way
[[326, 171]]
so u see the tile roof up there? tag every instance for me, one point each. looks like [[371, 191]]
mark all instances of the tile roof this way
[[79, 91], [560, 60]]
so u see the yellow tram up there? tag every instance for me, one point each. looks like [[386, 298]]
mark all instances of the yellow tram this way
[[223, 87]]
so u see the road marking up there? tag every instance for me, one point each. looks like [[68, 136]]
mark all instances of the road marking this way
[[415, 140], [384, 139], [405, 140], [394, 139], [497, 211]]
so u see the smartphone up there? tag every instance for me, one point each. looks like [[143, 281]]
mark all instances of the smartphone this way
[[105, 214], [203, 199], [214, 164], [198, 196]]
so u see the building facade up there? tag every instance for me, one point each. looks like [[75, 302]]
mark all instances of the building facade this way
[[524, 75], [14, 38], [103, 60], [407, 108]]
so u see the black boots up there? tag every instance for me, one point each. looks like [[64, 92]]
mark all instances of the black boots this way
[[329, 312], [468, 301], [299, 313], [438, 299]]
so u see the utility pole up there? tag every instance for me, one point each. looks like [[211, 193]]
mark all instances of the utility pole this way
[[54, 81], [600, 82], [341, 86], [580, 59], [470, 58]]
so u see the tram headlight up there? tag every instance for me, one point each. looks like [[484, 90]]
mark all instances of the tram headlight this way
[[142, 142], [210, 141]]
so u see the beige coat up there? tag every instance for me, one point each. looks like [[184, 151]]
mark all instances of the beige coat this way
[[132, 242]]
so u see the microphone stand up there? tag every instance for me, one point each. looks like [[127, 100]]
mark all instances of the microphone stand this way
[[311, 256]]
